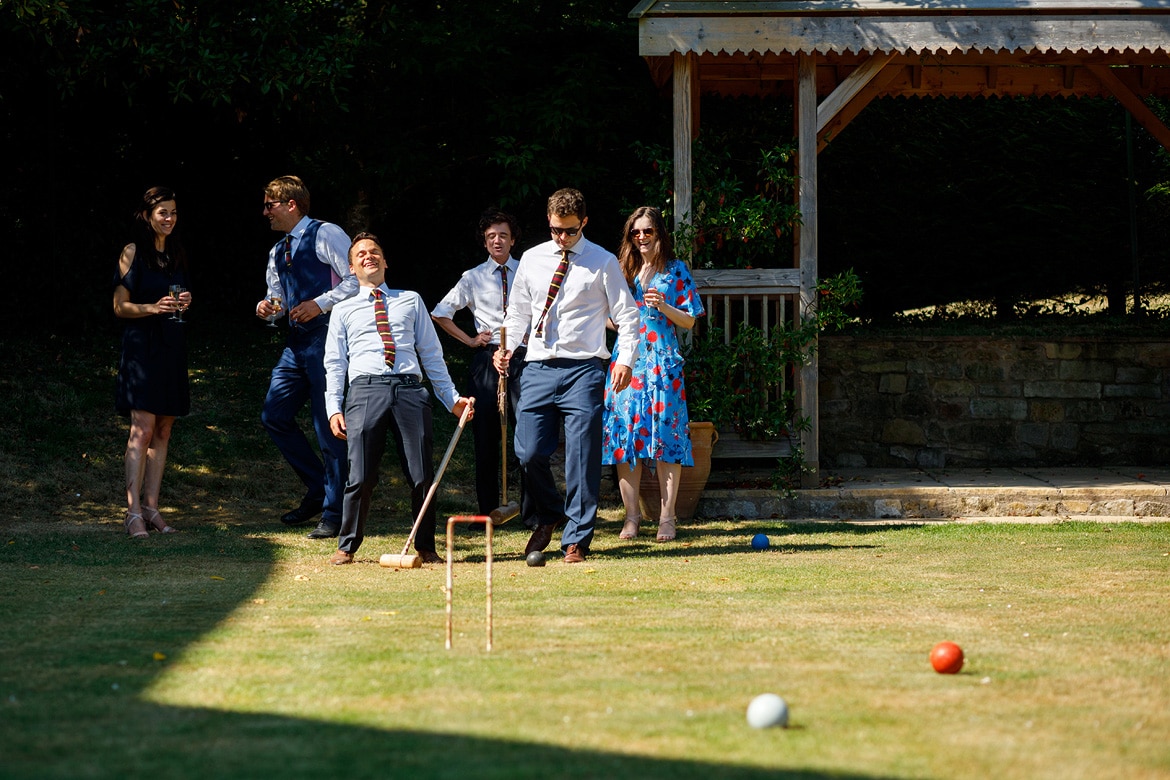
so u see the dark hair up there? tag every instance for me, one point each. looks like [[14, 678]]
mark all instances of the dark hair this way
[[175, 258], [567, 203], [363, 236], [494, 216], [628, 255]]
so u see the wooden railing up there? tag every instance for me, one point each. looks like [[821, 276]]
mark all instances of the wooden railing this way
[[762, 297]]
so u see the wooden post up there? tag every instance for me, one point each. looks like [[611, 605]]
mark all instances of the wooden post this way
[[806, 113], [685, 113]]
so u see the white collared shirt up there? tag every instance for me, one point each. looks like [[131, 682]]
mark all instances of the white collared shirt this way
[[480, 291], [332, 248], [593, 291], [353, 347]]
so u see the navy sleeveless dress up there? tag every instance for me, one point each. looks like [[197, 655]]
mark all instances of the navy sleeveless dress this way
[[152, 375]]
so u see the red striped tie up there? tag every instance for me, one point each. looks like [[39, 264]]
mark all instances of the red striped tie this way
[[288, 250], [383, 323], [553, 288]]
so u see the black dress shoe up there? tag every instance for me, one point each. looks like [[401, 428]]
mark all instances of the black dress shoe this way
[[303, 513], [430, 556], [540, 538], [324, 531]]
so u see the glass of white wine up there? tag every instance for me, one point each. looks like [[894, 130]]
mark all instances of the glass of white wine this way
[[275, 301], [177, 314]]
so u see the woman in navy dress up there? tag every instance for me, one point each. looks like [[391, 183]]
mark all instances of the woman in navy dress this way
[[648, 420], [152, 386]]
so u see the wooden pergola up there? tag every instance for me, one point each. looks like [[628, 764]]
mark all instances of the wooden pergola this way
[[832, 57]]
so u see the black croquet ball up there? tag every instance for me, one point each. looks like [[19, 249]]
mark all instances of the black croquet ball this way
[[535, 558]]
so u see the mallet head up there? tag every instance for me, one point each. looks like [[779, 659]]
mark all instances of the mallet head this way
[[395, 561]]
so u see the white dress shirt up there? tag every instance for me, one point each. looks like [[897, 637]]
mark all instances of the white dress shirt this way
[[332, 248], [479, 290], [593, 291], [353, 347]]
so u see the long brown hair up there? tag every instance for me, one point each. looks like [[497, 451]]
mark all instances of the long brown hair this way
[[628, 255]]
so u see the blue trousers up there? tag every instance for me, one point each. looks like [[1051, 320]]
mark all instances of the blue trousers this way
[[553, 392], [299, 376]]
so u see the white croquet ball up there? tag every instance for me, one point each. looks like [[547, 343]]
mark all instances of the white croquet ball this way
[[767, 710]]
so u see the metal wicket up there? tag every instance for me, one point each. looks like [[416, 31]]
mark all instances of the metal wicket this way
[[487, 526]]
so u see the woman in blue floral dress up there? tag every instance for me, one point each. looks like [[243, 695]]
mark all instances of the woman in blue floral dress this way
[[648, 420]]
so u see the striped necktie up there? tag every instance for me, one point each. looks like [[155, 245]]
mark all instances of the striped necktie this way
[[504, 286], [288, 250], [383, 323], [555, 287]]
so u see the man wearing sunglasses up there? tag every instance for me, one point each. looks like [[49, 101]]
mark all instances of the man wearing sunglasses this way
[[308, 273], [566, 290]]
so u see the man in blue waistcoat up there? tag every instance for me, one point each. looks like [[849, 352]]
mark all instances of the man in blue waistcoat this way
[[308, 274]]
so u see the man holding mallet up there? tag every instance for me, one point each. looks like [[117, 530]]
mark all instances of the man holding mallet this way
[[566, 290], [382, 340]]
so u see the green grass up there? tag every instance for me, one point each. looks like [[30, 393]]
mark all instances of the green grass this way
[[232, 649]]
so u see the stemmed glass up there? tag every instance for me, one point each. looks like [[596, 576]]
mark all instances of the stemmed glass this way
[[177, 314], [275, 301]]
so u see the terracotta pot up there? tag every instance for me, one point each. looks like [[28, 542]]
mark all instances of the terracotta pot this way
[[694, 478]]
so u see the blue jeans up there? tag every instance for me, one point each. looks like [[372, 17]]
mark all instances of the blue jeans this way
[[299, 376]]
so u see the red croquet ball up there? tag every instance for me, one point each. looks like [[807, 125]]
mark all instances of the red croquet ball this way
[[946, 658]]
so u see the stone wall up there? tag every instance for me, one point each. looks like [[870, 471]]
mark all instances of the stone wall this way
[[956, 401]]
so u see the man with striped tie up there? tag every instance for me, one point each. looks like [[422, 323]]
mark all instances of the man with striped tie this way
[[483, 289], [382, 340], [566, 290]]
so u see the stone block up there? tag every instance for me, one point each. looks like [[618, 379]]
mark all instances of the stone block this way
[[948, 388], [1062, 390], [1001, 390], [1045, 411], [1086, 371], [999, 409], [1065, 437], [1132, 391], [902, 432], [1138, 375], [892, 383], [1062, 350], [1034, 434]]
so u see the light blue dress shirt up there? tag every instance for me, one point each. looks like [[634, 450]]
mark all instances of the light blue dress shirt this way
[[353, 347]]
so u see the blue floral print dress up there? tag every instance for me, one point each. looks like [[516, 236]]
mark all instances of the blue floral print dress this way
[[648, 420]]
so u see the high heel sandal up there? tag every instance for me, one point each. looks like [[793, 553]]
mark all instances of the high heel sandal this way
[[135, 527], [156, 520], [630, 528], [666, 529]]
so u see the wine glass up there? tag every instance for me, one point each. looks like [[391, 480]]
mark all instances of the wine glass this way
[[177, 314], [275, 301]]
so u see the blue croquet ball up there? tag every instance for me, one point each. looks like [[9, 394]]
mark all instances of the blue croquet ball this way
[[760, 542], [535, 558]]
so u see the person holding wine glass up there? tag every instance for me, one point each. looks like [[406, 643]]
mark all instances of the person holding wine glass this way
[[647, 421], [152, 384]]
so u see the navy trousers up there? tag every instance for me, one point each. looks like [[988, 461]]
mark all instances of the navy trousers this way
[[553, 392], [299, 377], [376, 407]]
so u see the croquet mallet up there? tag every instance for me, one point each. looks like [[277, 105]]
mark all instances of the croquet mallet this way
[[404, 561], [507, 509]]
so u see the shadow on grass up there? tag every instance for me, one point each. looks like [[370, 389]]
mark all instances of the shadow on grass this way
[[92, 620]]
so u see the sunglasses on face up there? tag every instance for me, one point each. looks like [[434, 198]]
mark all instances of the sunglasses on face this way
[[648, 232], [570, 232]]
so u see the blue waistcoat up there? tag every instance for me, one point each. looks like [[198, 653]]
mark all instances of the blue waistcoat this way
[[308, 277]]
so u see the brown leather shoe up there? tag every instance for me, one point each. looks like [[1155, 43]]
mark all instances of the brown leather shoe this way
[[430, 556], [540, 539], [340, 558], [574, 553]]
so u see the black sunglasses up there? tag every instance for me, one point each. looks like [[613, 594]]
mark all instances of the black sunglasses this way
[[570, 232]]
